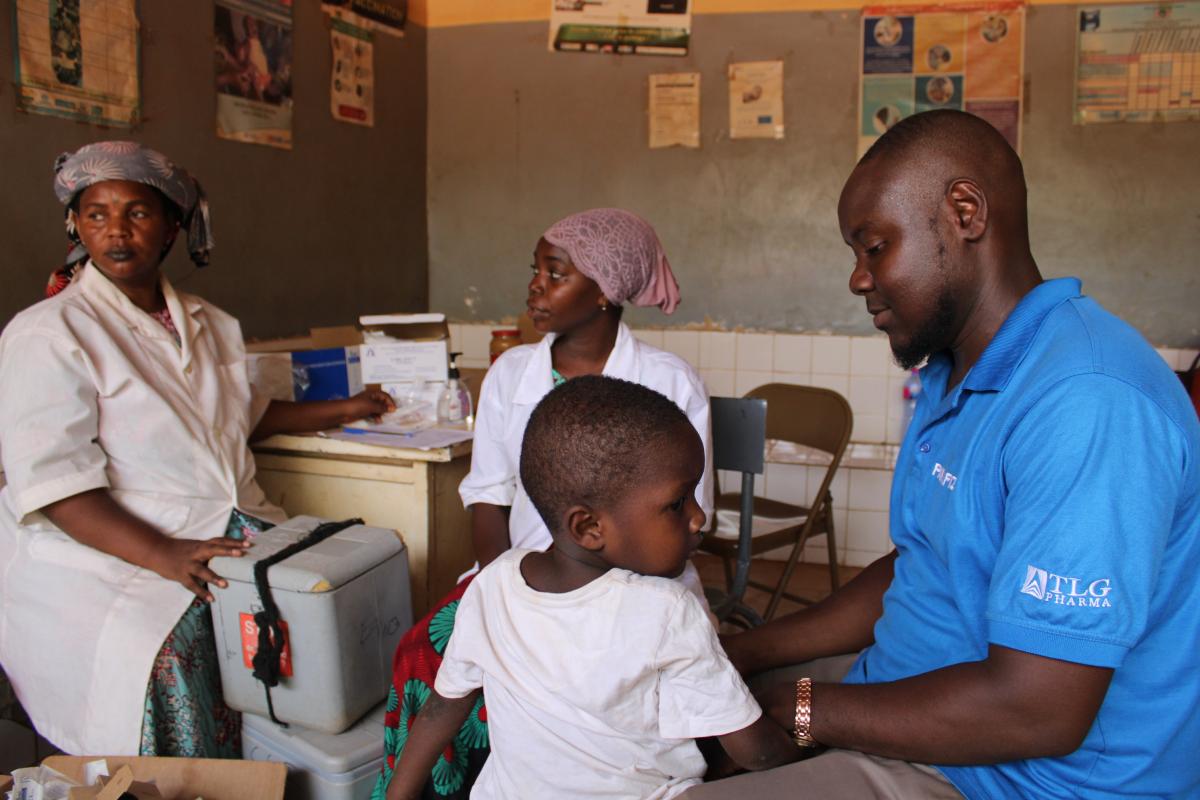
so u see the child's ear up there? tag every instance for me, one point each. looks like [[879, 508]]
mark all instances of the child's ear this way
[[584, 528]]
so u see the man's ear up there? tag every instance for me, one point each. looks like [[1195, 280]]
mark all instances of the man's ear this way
[[969, 206], [585, 528]]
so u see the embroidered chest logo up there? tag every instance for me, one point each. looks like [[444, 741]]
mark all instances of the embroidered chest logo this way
[[1064, 590], [947, 479]]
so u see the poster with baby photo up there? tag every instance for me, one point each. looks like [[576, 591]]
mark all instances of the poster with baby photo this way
[[920, 58]]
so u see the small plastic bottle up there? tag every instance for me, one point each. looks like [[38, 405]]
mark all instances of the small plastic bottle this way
[[503, 339], [454, 405], [912, 388]]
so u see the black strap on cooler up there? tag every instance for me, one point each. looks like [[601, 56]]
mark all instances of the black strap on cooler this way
[[270, 633]]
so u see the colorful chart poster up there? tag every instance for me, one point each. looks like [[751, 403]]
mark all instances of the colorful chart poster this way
[[352, 82], [756, 100], [630, 27], [254, 71], [1138, 63], [918, 58], [78, 59], [675, 110], [384, 16]]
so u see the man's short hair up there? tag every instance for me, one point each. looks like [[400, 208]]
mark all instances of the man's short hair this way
[[587, 441], [968, 138]]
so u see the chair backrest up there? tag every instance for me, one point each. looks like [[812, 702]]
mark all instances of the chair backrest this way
[[807, 415], [739, 433]]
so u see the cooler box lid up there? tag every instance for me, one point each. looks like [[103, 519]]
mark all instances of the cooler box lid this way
[[321, 568]]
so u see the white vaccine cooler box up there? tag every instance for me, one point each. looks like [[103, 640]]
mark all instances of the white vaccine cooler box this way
[[321, 766], [343, 604]]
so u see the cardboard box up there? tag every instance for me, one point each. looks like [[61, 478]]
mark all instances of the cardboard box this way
[[321, 366], [328, 373], [189, 778], [402, 349]]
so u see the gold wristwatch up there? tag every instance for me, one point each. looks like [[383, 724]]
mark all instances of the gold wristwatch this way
[[802, 732]]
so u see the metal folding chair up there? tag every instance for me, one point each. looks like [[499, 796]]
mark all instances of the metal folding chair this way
[[820, 422], [739, 434]]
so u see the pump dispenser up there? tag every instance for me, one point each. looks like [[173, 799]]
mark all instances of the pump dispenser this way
[[454, 405]]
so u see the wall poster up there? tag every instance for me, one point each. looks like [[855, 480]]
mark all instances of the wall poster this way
[[384, 16], [675, 109], [254, 71], [78, 59], [756, 100], [630, 27], [352, 82], [1138, 63], [964, 56]]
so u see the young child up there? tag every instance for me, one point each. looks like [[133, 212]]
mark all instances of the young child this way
[[599, 672]]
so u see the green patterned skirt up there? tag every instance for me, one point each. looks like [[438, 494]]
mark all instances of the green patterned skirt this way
[[185, 712]]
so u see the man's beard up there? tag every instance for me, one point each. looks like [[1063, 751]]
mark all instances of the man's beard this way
[[932, 337]]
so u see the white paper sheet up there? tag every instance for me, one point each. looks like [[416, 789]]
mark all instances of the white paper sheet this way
[[429, 439]]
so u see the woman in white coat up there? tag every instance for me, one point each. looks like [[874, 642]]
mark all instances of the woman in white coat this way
[[125, 412]]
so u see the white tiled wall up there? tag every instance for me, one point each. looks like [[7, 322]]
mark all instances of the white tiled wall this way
[[858, 367]]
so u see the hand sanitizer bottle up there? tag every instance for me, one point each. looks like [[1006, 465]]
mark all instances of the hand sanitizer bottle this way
[[454, 406]]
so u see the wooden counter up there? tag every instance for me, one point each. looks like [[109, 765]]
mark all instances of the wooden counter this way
[[412, 491]]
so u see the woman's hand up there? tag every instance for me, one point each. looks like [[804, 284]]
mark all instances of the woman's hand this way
[[372, 403], [93, 518], [186, 561], [306, 417]]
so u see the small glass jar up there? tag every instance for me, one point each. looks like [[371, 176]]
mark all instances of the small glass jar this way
[[503, 339]]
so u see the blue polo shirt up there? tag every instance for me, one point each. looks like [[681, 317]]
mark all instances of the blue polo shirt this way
[[1050, 503]]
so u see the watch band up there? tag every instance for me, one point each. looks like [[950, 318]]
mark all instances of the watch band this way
[[802, 732]]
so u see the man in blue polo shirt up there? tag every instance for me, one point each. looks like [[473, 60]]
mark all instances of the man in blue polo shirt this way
[[1036, 631]]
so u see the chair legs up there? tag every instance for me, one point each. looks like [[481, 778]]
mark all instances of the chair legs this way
[[831, 543], [780, 590], [781, 587]]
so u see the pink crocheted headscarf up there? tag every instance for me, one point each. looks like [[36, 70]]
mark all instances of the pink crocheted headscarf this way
[[620, 252]]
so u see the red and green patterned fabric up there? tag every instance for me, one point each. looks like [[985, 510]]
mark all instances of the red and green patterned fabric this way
[[414, 669]]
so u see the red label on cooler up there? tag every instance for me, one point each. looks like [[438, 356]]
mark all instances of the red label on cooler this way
[[250, 644]]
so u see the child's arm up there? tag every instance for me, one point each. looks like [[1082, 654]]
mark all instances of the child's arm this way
[[436, 725], [761, 745]]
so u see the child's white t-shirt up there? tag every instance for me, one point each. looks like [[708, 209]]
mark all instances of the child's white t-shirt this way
[[599, 692]]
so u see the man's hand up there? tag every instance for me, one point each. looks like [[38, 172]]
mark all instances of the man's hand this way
[[976, 712]]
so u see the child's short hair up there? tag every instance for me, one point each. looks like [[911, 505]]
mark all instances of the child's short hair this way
[[585, 441]]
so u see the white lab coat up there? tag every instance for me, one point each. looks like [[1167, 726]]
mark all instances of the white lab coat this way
[[515, 384], [94, 393]]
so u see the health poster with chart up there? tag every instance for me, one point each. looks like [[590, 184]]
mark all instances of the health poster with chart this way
[[352, 82], [630, 27], [254, 71], [918, 58], [1138, 63], [78, 59]]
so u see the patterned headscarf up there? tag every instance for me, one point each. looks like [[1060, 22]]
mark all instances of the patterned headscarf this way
[[128, 161], [620, 252]]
